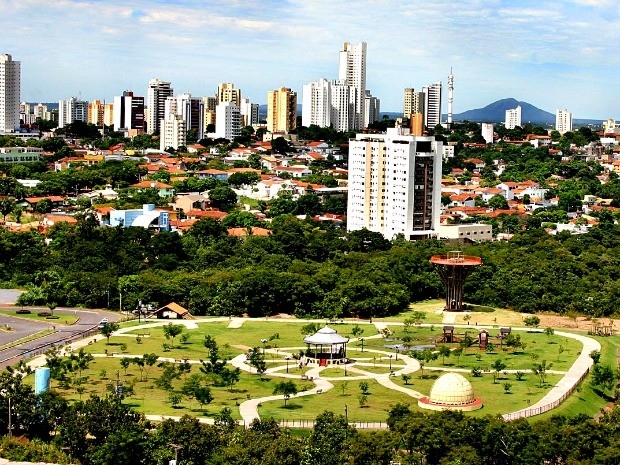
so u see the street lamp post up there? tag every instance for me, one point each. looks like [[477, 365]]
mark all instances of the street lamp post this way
[[8, 396], [264, 341], [362, 341], [390, 356], [287, 359]]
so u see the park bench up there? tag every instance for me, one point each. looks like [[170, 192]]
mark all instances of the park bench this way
[[319, 391]]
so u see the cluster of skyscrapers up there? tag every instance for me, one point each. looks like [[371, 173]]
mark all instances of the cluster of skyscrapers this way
[[344, 103]]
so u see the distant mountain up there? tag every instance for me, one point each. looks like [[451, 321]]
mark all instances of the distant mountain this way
[[496, 112]]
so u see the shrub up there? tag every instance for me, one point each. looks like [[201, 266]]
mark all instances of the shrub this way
[[45, 314], [23, 311]]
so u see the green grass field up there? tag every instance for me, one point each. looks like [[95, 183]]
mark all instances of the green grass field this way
[[63, 318]]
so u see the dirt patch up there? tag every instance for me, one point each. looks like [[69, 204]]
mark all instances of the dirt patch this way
[[241, 347]]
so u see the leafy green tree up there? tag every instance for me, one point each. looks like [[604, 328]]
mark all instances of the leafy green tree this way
[[107, 329], [223, 198], [604, 376], [6, 206], [286, 388], [498, 365], [531, 321], [444, 351], [171, 331], [540, 369], [256, 359]]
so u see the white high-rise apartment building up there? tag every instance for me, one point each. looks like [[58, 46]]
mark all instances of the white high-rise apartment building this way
[[487, 130], [227, 121], [249, 112], [372, 108], [317, 105], [71, 110], [432, 105], [191, 110], [330, 103], [352, 69], [563, 121], [395, 184], [156, 95], [173, 132], [344, 103], [513, 118], [10, 93], [281, 110]]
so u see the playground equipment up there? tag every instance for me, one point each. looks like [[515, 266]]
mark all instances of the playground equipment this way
[[453, 268]]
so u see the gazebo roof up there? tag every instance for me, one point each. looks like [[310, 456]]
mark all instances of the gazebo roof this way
[[326, 336]]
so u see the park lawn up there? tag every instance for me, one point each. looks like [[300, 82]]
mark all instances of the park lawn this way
[[499, 317], [149, 399], [538, 345], [379, 401], [63, 318], [429, 307], [587, 398], [494, 397]]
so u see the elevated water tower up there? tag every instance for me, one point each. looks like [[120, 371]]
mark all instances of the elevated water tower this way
[[453, 268]]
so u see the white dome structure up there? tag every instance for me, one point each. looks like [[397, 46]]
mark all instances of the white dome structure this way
[[451, 391]]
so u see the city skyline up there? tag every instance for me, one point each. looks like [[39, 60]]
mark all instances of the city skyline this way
[[553, 55]]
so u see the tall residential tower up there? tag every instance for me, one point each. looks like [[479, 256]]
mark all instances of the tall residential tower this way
[[10, 82], [281, 110], [395, 184], [352, 70], [156, 96]]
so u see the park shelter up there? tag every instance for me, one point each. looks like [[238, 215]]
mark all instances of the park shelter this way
[[173, 311], [327, 347]]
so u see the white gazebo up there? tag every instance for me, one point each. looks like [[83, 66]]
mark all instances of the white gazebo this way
[[329, 347]]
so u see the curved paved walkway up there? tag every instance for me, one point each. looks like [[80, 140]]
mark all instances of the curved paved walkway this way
[[567, 384]]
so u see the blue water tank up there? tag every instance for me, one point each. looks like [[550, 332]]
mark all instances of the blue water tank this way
[[41, 380]]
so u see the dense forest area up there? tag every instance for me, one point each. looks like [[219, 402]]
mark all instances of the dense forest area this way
[[302, 270], [100, 431]]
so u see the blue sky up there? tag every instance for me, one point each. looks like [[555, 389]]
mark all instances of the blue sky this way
[[553, 54]]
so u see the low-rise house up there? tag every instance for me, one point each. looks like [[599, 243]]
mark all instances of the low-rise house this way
[[476, 232], [163, 189], [296, 171], [191, 202]]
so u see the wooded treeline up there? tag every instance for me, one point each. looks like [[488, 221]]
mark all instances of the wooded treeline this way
[[302, 270]]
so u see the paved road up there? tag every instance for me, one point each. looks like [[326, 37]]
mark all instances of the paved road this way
[[89, 319]]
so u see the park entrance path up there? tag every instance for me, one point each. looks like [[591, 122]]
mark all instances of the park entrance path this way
[[249, 409]]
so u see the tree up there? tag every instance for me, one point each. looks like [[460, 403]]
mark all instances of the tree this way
[[531, 321], [107, 329], [6, 206], [549, 331], [357, 331], [498, 365], [150, 360], [541, 369], [171, 331], [444, 351], [286, 388], [125, 361], [52, 306], [595, 355], [203, 395], [603, 375], [498, 202], [223, 198], [406, 378], [257, 360]]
